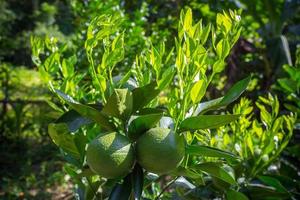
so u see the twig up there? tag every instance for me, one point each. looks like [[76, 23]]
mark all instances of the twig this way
[[159, 178], [166, 187]]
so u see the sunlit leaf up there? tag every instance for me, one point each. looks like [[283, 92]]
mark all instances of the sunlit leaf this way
[[198, 91], [219, 66], [206, 122], [207, 151], [166, 78], [188, 19], [217, 170], [62, 137], [119, 104]]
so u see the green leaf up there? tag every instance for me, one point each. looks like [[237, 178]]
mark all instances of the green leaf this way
[[166, 78], [144, 95], [234, 195], [206, 122], [198, 91], [188, 19], [235, 91], [205, 33], [223, 49], [220, 184], [288, 84], [233, 94], [87, 111], [125, 81], [218, 171], [207, 151], [67, 66], [52, 63], [147, 111], [61, 136], [270, 181], [119, 104], [208, 105], [122, 191], [141, 124], [181, 171], [223, 22], [138, 181], [91, 189], [73, 119], [262, 192], [72, 172], [101, 83], [219, 66]]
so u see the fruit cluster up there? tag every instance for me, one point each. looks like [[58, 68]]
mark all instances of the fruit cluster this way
[[112, 155]]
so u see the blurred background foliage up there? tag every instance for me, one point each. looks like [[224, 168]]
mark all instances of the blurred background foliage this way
[[31, 164]]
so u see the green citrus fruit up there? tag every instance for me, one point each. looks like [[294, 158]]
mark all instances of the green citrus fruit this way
[[160, 150], [110, 155]]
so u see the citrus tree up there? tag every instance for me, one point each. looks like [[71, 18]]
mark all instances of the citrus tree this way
[[133, 133]]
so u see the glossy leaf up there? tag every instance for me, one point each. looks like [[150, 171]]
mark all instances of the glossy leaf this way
[[235, 91], [119, 104], [209, 152], [87, 111], [206, 122], [218, 171], [261, 192], [137, 181], [61, 136], [167, 122], [121, 191], [144, 95], [273, 182], [208, 105], [234, 195], [141, 124], [233, 94], [198, 91], [182, 182], [73, 119]]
